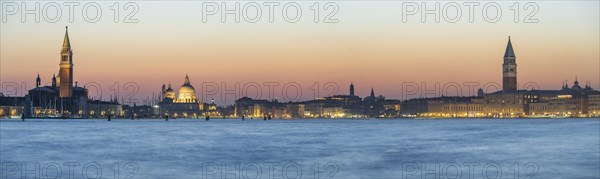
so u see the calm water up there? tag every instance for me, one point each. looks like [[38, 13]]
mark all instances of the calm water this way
[[472, 148]]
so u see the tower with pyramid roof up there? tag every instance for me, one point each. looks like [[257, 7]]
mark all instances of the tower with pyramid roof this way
[[509, 69], [351, 89], [66, 68]]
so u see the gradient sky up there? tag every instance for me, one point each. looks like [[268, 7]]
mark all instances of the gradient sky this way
[[370, 46]]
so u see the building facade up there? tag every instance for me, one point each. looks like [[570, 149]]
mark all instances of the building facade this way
[[184, 104], [509, 69], [510, 102], [61, 98]]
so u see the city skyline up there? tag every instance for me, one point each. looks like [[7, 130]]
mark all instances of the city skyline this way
[[427, 86], [345, 89], [391, 57]]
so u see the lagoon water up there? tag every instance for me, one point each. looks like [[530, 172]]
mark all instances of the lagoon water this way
[[415, 148]]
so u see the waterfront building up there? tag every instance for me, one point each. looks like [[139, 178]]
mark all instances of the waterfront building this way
[[144, 111], [392, 104], [575, 101], [594, 105], [295, 110], [61, 98], [260, 108], [184, 104], [11, 107], [336, 106], [101, 109], [453, 106], [568, 102]]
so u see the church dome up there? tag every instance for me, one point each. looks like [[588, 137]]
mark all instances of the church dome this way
[[576, 85], [170, 93], [187, 93]]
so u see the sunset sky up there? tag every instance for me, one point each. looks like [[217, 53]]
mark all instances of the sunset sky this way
[[370, 46]]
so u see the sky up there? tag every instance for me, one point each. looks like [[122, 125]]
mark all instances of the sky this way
[[382, 45]]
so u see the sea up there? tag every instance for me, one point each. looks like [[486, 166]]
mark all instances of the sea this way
[[300, 148]]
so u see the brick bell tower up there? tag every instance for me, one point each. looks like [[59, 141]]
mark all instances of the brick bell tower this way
[[509, 69], [66, 67]]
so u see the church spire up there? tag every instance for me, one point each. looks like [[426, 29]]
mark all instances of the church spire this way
[[372, 93], [53, 80], [509, 49], [38, 81], [66, 42], [187, 80], [351, 89]]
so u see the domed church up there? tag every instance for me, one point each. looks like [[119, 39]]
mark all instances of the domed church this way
[[183, 104], [187, 93], [168, 93]]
